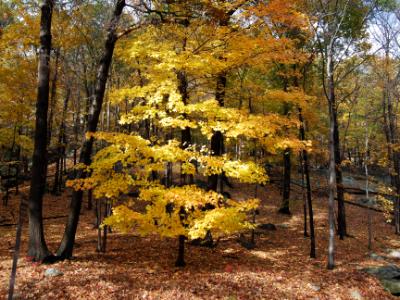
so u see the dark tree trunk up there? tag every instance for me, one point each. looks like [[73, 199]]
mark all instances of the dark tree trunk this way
[[61, 147], [107, 211], [186, 141], [90, 199], [21, 219], [308, 187], [284, 209], [217, 139], [287, 166], [341, 217], [18, 166], [76, 127], [180, 261], [305, 226], [186, 135], [53, 96], [67, 244], [332, 162], [37, 248], [98, 222]]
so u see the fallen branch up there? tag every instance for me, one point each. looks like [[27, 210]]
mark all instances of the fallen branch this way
[[363, 206]]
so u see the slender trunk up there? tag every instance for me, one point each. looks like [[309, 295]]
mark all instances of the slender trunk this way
[[77, 117], [341, 218], [105, 228], [367, 188], [186, 141], [98, 222], [308, 187], [90, 199], [303, 195], [61, 146], [186, 135], [287, 165], [66, 247], [53, 97], [180, 261], [168, 167], [21, 219], [217, 139], [37, 248], [18, 166], [332, 162]]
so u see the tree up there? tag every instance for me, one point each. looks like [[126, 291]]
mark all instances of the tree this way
[[386, 35], [66, 247], [171, 70], [37, 245], [338, 26]]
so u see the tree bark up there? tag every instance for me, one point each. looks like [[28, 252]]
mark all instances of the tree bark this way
[[180, 261], [369, 217], [21, 220], [37, 248], [308, 187], [287, 166], [332, 162], [217, 139], [341, 217], [67, 244], [53, 97], [61, 146]]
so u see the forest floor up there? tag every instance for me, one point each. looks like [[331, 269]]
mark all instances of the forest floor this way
[[143, 268]]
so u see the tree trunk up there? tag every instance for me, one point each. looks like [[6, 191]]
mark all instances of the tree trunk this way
[[21, 220], [332, 162], [284, 209], [186, 136], [308, 187], [367, 188], [61, 146], [303, 195], [180, 261], [217, 139], [53, 97], [67, 244], [37, 248], [287, 166], [341, 218], [77, 116]]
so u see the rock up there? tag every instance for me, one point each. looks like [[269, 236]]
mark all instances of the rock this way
[[267, 226], [247, 244], [282, 225], [384, 272], [375, 256], [392, 286], [394, 254], [17, 295], [53, 272], [389, 276], [355, 294], [314, 287]]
